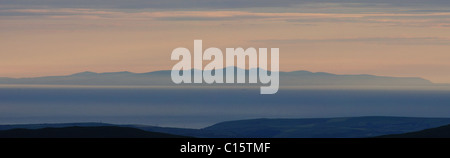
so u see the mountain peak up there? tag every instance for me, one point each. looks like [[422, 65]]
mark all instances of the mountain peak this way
[[85, 73], [90, 73], [119, 72]]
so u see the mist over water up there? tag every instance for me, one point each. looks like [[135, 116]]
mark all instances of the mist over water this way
[[201, 107]]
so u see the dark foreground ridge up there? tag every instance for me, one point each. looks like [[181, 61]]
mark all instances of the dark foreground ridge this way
[[84, 132], [438, 132], [344, 127]]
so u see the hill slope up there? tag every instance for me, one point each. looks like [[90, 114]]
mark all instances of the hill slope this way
[[346, 127], [438, 132], [84, 132]]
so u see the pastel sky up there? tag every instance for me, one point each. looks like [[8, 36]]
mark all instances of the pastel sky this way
[[379, 37]]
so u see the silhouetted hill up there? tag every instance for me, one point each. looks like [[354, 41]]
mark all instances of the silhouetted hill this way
[[344, 127], [84, 132], [438, 132], [54, 125]]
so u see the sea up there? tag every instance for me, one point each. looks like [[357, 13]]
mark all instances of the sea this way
[[199, 107]]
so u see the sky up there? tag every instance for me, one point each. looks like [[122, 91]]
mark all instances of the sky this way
[[404, 38]]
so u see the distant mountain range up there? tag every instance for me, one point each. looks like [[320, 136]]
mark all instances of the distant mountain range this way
[[163, 78], [345, 127]]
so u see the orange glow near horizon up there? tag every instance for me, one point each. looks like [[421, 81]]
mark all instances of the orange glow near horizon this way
[[66, 41]]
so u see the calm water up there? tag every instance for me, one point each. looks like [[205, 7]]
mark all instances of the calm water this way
[[200, 107]]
